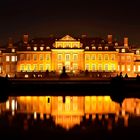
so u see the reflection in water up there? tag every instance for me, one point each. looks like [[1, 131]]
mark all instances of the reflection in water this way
[[70, 111]]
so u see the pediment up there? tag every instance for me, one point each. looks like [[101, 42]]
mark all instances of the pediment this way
[[67, 38]]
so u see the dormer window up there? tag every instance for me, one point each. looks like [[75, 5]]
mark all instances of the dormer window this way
[[123, 50], [93, 48], [47, 48], [99, 48], [35, 48], [117, 50], [41, 48], [137, 52], [13, 50], [28, 48], [87, 48], [116, 44], [106, 47]]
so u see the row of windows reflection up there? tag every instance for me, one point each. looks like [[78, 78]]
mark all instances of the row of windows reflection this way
[[69, 110]]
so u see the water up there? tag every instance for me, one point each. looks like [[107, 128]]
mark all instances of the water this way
[[69, 117]]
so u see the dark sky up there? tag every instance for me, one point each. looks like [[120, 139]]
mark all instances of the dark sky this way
[[97, 18]]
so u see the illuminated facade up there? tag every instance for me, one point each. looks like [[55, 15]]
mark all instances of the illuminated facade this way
[[96, 55], [69, 111]]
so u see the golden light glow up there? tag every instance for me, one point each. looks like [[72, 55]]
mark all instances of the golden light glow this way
[[70, 112]]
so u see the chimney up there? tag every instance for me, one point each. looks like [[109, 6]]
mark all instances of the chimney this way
[[25, 38], [109, 37], [10, 43], [125, 41]]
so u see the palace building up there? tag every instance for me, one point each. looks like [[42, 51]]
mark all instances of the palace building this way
[[96, 55]]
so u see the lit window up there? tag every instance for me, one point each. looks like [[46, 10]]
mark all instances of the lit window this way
[[47, 57], [75, 66], [35, 57], [0, 69], [106, 57], [106, 47], [117, 50], [93, 48], [41, 67], [87, 48], [13, 50], [123, 67], [7, 58], [35, 48], [106, 67], [47, 48], [134, 68], [13, 58], [93, 57], [87, 67], [112, 67], [41, 48], [67, 67], [118, 67], [48, 67], [113, 57], [22, 67], [93, 67], [28, 57], [100, 67], [137, 52], [128, 67], [99, 57], [87, 56], [138, 68], [21, 57], [59, 66], [75, 45], [75, 57], [59, 56], [67, 57], [99, 48], [28, 67], [7, 68], [128, 58], [41, 57], [35, 67], [123, 50]]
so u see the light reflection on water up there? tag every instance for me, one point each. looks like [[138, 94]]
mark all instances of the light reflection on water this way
[[69, 111]]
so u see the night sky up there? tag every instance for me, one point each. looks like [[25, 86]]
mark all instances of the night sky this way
[[96, 18]]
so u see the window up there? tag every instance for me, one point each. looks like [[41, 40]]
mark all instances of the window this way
[[67, 67], [93, 48], [100, 67], [93, 67], [67, 57], [118, 67], [28, 67], [112, 67], [47, 48], [87, 48], [59, 56], [113, 57], [128, 68], [41, 48], [0, 69], [122, 58], [47, 57], [75, 66], [99, 57], [123, 50], [129, 58], [59, 66], [7, 68], [35, 67], [35, 57], [99, 48], [48, 67], [7, 58], [13, 58], [123, 68], [138, 68], [134, 68], [41, 67], [35, 48], [106, 47], [21, 57], [87, 56], [75, 57], [93, 57], [13, 50], [87, 67], [28, 57], [106, 67], [117, 50], [106, 57], [41, 57], [137, 52], [0, 59], [22, 67]]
